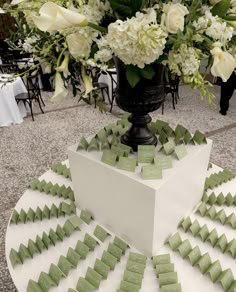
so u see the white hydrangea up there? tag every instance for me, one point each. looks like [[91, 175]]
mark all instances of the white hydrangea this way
[[137, 41], [184, 61], [29, 44], [214, 27], [94, 10]]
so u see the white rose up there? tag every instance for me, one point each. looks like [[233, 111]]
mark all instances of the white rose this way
[[60, 91], [79, 45], [223, 65], [173, 17], [56, 18]]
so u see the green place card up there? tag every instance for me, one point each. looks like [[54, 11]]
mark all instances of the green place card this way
[[84, 286], [109, 157], [138, 258], [64, 265], [151, 172], [109, 260], [180, 151], [172, 288], [169, 147], [93, 145], [146, 153], [101, 135], [45, 281], [168, 278], [117, 150], [127, 148], [134, 278], [163, 138], [135, 267], [127, 163], [76, 221], [161, 259], [101, 268], [56, 274], [82, 249], [83, 144], [93, 277], [120, 243], [163, 161], [33, 287], [199, 137], [100, 233], [90, 241], [108, 128], [164, 268], [73, 257]]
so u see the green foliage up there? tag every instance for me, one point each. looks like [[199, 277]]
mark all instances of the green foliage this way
[[221, 8], [132, 75], [127, 8]]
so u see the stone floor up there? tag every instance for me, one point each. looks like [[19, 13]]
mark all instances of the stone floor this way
[[28, 149]]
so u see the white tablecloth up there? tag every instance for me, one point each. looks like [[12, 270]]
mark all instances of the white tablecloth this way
[[10, 112], [190, 277]]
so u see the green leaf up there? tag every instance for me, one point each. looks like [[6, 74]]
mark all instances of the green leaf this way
[[231, 17], [127, 8], [221, 8], [132, 75], [147, 72]]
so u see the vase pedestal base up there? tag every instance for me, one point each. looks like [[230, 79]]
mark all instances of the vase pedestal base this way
[[142, 212]]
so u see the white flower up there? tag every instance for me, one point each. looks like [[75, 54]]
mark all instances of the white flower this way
[[56, 18], [64, 66], [137, 41], [214, 27], [223, 65], [60, 91], [184, 61], [173, 17], [88, 83], [79, 45]]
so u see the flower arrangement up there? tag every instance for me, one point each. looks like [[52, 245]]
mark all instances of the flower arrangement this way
[[68, 36]]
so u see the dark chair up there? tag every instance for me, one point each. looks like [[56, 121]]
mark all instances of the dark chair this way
[[33, 94], [95, 74], [9, 68], [112, 74], [171, 86], [7, 58]]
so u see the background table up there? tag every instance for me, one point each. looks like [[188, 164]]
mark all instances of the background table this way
[[10, 112], [191, 278]]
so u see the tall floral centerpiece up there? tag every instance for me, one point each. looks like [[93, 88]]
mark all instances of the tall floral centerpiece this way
[[142, 36]]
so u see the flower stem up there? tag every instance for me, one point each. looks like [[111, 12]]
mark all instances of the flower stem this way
[[97, 27]]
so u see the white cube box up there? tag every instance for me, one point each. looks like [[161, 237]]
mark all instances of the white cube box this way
[[142, 212]]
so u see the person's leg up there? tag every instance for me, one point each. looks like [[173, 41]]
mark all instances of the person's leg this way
[[227, 90]]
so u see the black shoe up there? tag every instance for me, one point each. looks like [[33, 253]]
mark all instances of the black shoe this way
[[224, 113]]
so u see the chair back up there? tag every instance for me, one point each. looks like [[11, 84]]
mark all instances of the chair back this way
[[7, 58], [8, 68], [32, 86]]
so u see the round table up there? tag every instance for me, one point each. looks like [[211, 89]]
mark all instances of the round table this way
[[191, 278], [10, 111]]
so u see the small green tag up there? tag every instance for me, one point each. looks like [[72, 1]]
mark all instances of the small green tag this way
[[117, 150], [109, 157], [199, 138], [101, 135], [93, 145], [151, 172], [180, 151], [169, 147], [164, 162], [127, 163], [146, 153]]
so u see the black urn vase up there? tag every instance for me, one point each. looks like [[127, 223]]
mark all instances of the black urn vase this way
[[147, 96]]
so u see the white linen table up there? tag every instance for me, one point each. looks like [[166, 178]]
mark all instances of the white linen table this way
[[10, 111]]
